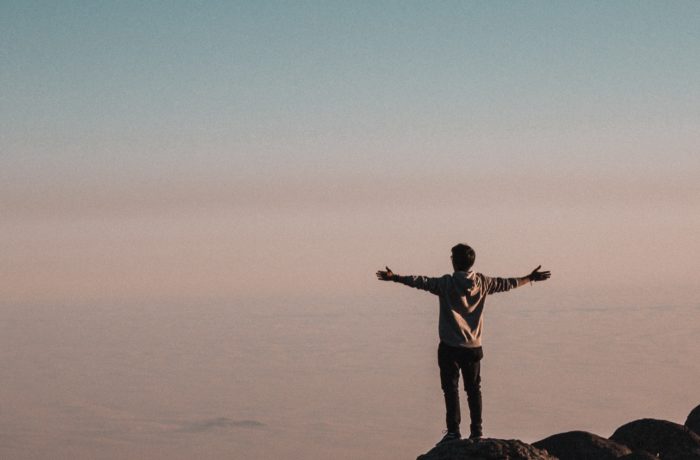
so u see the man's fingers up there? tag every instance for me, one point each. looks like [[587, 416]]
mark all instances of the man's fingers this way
[[388, 269], [382, 275], [538, 275]]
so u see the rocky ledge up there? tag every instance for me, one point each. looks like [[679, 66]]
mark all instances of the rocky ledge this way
[[645, 439], [486, 449]]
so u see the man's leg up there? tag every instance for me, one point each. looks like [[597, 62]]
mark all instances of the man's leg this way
[[471, 373], [449, 380]]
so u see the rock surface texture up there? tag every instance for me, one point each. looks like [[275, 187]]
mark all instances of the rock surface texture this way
[[693, 421], [486, 449], [581, 445], [668, 440], [639, 455]]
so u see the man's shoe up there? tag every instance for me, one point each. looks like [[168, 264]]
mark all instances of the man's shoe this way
[[449, 437], [476, 437]]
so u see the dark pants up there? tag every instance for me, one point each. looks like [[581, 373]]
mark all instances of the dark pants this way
[[451, 360]]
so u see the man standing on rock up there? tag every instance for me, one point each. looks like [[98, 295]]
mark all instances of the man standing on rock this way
[[462, 295]]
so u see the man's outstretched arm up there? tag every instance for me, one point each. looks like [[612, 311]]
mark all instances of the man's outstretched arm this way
[[419, 282], [494, 285]]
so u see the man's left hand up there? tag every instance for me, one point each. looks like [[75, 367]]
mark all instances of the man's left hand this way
[[537, 275]]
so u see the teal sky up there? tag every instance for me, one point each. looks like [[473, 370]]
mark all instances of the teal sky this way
[[344, 87], [125, 108]]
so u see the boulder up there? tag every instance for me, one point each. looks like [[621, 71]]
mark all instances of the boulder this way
[[581, 445], [486, 449], [693, 421], [668, 440]]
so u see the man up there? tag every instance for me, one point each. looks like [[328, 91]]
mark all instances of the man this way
[[462, 297]]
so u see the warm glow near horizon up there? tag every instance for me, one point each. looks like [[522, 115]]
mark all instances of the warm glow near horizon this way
[[232, 243]]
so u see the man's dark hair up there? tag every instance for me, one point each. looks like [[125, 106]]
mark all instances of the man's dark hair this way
[[463, 257]]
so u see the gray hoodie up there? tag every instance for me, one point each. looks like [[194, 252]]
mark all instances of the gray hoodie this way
[[462, 296]]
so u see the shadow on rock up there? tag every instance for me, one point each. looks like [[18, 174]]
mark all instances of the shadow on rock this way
[[639, 455], [581, 445], [486, 449], [668, 440]]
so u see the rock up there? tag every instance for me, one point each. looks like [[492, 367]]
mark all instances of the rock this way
[[669, 440], [693, 421], [580, 445], [486, 449]]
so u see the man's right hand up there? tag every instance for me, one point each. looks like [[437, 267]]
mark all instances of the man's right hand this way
[[385, 275]]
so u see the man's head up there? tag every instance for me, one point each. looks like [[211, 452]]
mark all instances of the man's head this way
[[462, 257]]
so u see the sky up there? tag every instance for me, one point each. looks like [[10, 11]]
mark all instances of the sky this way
[[161, 151]]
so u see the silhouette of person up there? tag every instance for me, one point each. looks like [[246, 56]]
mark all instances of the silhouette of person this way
[[462, 295]]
